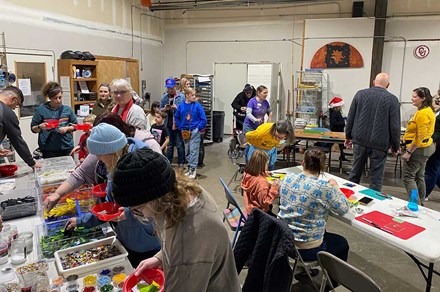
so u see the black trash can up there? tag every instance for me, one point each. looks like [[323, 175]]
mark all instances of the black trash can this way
[[218, 125]]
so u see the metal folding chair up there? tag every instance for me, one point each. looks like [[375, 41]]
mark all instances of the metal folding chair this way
[[345, 274], [236, 154], [233, 216]]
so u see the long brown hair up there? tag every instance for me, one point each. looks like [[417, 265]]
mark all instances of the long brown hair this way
[[424, 92], [173, 206], [257, 164]]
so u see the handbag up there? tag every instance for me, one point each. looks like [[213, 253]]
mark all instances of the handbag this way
[[186, 134]]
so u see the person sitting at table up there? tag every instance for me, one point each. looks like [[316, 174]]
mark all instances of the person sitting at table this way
[[109, 144], [337, 122], [305, 203], [258, 191], [266, 137]]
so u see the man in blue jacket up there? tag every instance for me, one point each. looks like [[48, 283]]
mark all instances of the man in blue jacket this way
[[169, 103]]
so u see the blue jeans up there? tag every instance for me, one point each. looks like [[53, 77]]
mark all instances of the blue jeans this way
[[192, 149], [176, 140], [272, 155], [432, 171]]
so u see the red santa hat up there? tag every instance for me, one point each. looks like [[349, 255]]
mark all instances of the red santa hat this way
[[336, 101]]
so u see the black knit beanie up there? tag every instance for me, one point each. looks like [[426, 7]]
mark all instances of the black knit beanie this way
[[142, 176]]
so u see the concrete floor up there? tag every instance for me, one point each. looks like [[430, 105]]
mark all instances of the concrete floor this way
[[390, 267]]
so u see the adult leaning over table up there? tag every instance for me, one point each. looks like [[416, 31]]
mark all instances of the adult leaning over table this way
[[196, 253], [125, 107], [267, 137], [109, 144], [93, 171]]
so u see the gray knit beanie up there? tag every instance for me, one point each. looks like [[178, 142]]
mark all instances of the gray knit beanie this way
[[142, 176], [105, 139]]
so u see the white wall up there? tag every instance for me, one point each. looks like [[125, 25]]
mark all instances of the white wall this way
[[195, 49], [411, 72], [29, 29], [344, 82]]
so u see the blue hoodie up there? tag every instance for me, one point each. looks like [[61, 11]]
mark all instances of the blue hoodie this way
[[133, 234]]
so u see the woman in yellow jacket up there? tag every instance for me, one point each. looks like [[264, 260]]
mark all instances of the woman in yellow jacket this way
[[266, 137], [418, 141]]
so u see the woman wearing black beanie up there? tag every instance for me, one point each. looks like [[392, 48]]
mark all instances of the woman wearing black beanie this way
[[185, 218]]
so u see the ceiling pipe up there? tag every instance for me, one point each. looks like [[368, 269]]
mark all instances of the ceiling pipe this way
[[196, 5]]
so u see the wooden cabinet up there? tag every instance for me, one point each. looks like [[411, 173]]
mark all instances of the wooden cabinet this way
[[72, 68], [110, 68], [103, 70]]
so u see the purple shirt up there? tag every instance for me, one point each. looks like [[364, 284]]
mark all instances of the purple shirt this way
[[259, 110]]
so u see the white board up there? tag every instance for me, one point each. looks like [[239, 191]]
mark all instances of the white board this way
[[229, 80]]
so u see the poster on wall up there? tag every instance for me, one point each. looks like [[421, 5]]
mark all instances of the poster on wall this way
[[337, 55]]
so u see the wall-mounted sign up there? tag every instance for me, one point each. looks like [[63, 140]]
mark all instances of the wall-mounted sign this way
[[337, 55], [421, 52]]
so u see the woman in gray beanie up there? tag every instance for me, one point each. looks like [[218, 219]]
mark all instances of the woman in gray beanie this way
[[108, 143], [186, 219]]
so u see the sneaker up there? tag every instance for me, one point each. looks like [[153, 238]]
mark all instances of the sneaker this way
[[426, 199], [202, 165], [188, 172], [192, 174]]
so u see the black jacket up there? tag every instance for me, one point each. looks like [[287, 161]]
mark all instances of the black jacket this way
[[337, 122], [268, 242], [239, 101]]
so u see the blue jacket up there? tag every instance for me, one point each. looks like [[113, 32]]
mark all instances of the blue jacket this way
[[190, 116], [133, 234], [180, 97], [56, 141]]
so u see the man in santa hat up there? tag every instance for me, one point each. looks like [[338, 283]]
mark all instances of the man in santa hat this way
[[337, 122]]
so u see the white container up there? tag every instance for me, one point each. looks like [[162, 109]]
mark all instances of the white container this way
[[93, 267], [28, 236]]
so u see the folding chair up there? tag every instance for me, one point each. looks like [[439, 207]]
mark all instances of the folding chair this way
[[234, 217], [345, 274], [236, 153]]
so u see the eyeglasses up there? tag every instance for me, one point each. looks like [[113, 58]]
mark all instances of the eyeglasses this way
[[122, 92]]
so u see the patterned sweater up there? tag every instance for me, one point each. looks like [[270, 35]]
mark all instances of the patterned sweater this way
[[374, 119], [305, 205]]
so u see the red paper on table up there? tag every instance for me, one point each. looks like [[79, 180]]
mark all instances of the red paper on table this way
[[396, 226]]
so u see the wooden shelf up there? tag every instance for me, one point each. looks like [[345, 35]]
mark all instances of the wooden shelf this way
[[84, 102], [85, 79]]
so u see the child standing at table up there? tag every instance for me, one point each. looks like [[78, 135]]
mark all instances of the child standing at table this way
[[258, 191], [160, 131], [81, 148]]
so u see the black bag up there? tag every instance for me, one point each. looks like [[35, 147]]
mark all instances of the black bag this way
[[88, 56], [69, 54]]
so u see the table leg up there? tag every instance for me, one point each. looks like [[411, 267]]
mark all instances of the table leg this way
[[329, 159], [431, 271], [429, 280]]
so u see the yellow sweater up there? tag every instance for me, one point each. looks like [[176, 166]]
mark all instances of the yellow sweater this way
[[262, 137], [420, 128]]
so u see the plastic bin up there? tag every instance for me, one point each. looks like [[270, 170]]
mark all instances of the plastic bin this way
[[218, 126], [19, 210], [51, 237]]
